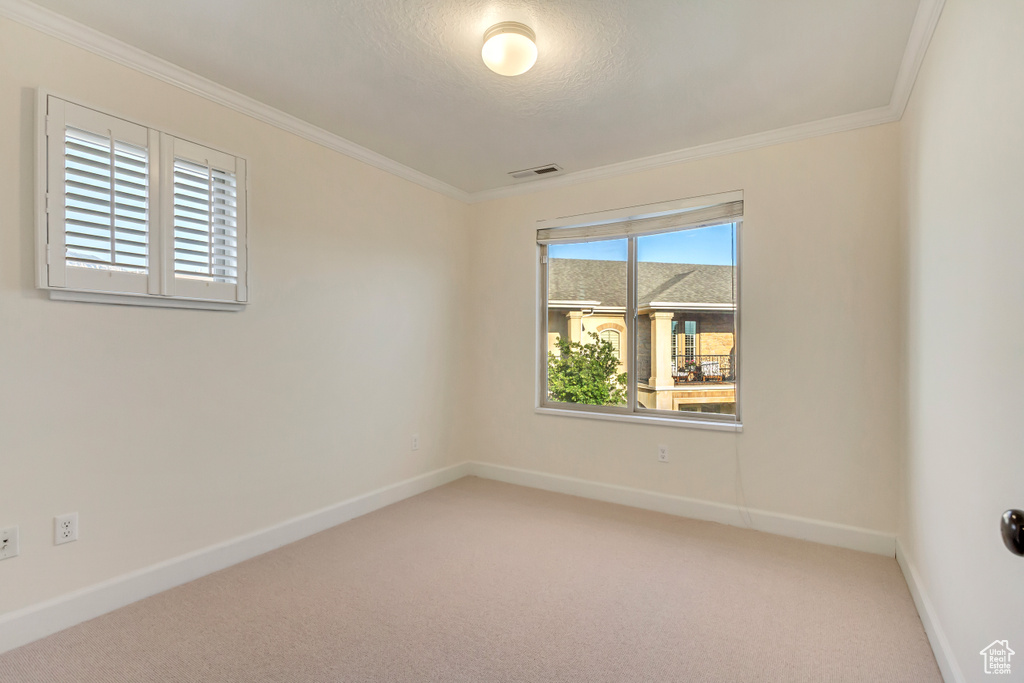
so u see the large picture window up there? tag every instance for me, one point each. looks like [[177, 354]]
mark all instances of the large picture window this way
[[669, 282]]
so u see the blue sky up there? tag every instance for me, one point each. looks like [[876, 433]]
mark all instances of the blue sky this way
[[712, 246]]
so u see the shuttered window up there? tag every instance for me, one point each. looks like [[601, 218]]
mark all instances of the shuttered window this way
[[105, 202], [612, 337], [129, 210], [205, 223]]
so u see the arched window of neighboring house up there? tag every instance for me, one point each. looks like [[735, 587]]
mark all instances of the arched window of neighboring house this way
[[611, 336]]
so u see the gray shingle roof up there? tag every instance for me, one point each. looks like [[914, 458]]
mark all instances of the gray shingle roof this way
[[605, 281]]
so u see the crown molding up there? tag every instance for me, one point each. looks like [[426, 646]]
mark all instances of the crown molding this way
[[79, 35], [921, 33], [58, 26]]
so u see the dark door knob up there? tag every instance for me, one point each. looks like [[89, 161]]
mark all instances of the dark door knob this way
[[1013, 531]]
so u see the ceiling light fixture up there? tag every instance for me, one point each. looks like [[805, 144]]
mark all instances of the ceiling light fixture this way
[[509, 48]]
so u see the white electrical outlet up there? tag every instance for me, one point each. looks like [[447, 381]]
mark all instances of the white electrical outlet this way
[[662, 453], [8, 542], [415, 442], [65, 528]]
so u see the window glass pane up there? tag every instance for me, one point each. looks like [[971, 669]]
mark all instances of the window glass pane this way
[[686, 322], [586, 313]]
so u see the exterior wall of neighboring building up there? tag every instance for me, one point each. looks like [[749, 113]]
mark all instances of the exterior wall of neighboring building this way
[[667, 390], [558, 326], [715, 333], [578, 325], [698, 398], [715, 337], [643, 347]]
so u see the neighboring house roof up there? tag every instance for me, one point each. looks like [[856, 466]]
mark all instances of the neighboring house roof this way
[[605, 281]]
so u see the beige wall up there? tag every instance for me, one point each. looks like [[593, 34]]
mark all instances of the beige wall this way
[[820, 282], [963, 149], [170, 430]]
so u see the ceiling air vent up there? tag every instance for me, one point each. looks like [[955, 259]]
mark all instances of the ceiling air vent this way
[[538, 171]]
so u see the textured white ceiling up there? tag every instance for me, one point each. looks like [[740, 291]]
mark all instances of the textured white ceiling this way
[[615, 80]]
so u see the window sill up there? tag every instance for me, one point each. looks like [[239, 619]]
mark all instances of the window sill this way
[[144, 300], [644, 419]]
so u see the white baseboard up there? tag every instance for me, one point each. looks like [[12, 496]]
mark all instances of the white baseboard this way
[[951, 672], [37, 621], [829, 533]]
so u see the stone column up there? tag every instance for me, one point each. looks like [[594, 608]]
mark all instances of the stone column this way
[[575, 325], [661, 352]]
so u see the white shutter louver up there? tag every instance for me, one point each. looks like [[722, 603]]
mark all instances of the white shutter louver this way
[[105, 202], [205, 222]]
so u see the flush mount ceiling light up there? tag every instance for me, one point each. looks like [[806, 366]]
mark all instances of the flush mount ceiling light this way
[[509, 48]]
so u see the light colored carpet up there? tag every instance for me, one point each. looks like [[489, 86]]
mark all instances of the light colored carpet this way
[[482, 581]]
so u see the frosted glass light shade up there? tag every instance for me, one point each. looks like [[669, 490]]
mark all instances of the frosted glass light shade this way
[[509, 48]]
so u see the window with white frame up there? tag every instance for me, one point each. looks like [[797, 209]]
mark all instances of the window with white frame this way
[[669, 279], [612, 337], [130, 214]]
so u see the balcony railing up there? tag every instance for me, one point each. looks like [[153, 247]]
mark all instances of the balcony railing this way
[[690, 369]]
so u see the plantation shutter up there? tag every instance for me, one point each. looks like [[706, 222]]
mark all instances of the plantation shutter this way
[[206, 208], [97, 202]]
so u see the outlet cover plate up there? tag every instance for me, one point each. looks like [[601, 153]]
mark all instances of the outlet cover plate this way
[[8, 542], [662, 453], [65, 528]]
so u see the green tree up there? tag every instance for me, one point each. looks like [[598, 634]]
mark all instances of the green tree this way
[[586, 373]]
